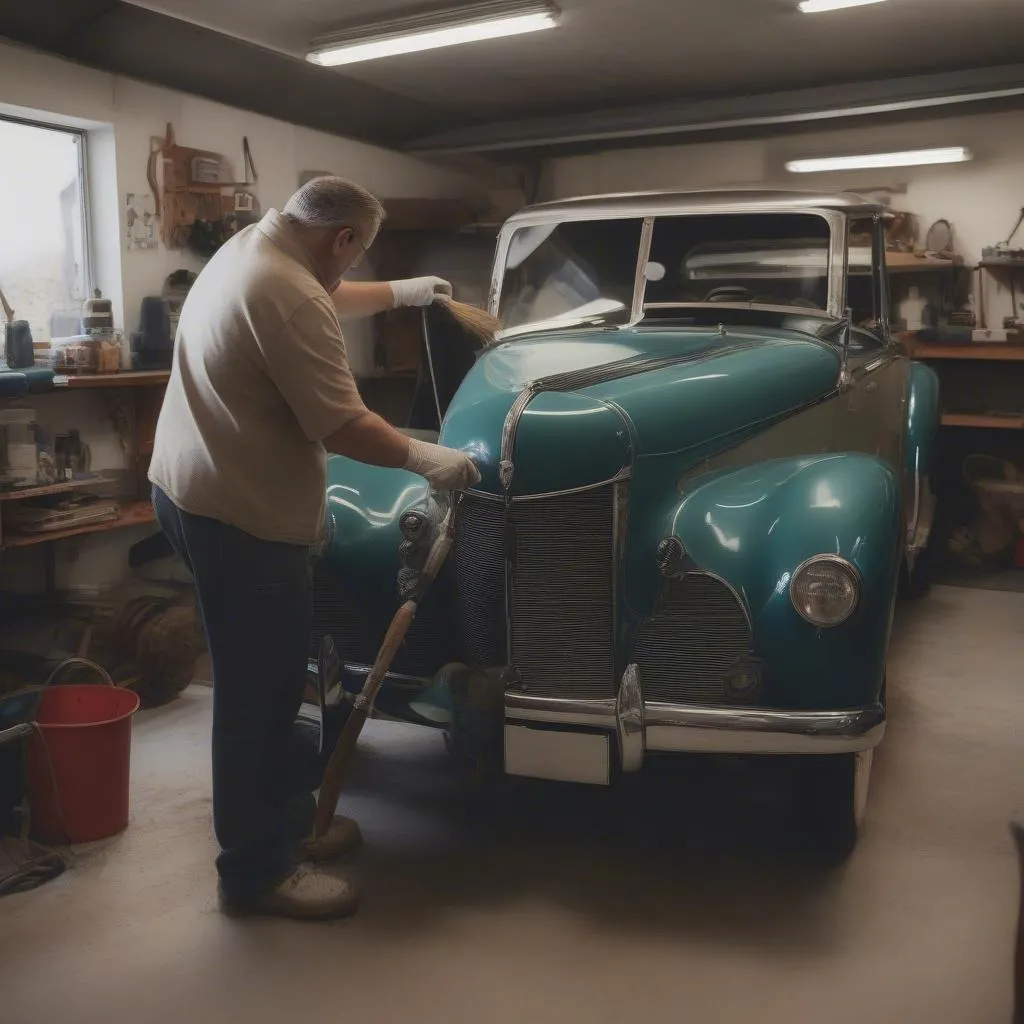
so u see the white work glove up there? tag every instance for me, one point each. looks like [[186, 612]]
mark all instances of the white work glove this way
[[420, 291], [444, 468]]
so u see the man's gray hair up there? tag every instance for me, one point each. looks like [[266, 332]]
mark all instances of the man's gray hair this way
[[330, 202]]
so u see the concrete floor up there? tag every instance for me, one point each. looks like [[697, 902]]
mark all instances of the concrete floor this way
[[686, 901]]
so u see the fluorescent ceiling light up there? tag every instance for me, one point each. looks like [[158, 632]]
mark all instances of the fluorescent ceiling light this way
[[910, 158], [430, 32], [819, 6]]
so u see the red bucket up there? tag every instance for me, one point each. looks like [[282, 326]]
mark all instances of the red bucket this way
[[78, 763]]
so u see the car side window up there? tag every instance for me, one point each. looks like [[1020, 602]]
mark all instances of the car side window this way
[[863, 295]]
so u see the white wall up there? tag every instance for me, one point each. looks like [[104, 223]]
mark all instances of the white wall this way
[[125, 114], [982, 199], [121, 115]]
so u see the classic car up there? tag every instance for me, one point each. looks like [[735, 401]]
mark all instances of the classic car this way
[[704, 465]]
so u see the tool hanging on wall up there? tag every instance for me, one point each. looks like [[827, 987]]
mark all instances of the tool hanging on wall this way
[[198, 204]]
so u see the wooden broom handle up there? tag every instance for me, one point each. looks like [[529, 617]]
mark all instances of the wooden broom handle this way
[[341, 756]]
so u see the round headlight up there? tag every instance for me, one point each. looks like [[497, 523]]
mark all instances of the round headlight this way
[[825, 590], [670, 556], [414, 525]]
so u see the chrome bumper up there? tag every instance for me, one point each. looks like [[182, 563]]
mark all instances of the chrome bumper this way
[[641, 726]]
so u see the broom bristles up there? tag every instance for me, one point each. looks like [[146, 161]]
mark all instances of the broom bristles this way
[[477, 321]]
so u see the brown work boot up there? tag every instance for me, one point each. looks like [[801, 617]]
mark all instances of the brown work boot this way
[[340, 839], [308, 894]]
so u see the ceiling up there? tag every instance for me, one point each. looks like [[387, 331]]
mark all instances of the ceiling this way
[[606, 53]]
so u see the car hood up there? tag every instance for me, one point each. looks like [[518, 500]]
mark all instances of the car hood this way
[[605, 398]]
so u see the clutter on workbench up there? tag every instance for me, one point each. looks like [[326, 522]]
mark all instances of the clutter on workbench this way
[[41, 470], [86, 353], [48, 513], [1006, 252], [19, 448], [72, 455], [18, 350], [176, 288], [97, 315], [152, 345], [95, 346], [914, 310]]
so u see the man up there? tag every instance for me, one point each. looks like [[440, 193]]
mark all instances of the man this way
[[259, 393]]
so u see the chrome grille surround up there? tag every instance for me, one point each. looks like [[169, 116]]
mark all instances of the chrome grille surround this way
[[562, 571], [686, 647]]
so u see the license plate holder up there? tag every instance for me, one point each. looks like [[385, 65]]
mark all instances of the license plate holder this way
[[558, 755]]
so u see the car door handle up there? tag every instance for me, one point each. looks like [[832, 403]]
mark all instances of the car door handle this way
[[872, 385]]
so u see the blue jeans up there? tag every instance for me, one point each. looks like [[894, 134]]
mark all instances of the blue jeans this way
[[256, 601]]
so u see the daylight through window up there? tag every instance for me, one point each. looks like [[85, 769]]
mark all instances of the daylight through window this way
[[43, 267]]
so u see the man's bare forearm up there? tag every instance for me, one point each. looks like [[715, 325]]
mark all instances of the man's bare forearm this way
[[353, 299], [370, 439]]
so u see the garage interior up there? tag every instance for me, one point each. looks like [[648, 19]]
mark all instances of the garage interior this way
[[688, 890]]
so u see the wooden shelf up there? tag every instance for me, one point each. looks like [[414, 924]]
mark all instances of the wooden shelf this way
[[999, 351], [904, 262], [133, 513], [1002, 264], [960, 419], [128, 379], [61, 488], [211, 187]]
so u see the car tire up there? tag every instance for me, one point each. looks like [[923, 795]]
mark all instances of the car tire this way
[[835, 802], [917, 582]]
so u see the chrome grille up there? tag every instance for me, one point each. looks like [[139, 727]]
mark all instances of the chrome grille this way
[[686, 647], [479, 558], [357, 632], [562, 589], [337, 614]]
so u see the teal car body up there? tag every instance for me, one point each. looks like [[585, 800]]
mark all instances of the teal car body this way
[[696, 500]]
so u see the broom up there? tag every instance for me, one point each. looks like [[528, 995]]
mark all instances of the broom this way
[[477, 322], [341, 757]]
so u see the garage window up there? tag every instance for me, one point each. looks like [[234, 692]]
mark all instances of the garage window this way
[[44, 267]]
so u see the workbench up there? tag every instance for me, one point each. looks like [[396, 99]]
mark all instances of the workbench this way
[[132, 400]]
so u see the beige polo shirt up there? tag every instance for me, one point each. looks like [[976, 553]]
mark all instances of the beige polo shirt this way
[[260, 377]]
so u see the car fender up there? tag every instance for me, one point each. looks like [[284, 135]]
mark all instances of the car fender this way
[[923, 405], [364, 505], [755, 526]]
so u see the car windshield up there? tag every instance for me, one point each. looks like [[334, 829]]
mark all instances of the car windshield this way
[[576, 271], [558, 274], [739, 259]]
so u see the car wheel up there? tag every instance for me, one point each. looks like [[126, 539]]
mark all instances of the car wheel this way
[[836, 796]]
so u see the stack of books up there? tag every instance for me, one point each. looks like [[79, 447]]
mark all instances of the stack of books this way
[[59, 512]]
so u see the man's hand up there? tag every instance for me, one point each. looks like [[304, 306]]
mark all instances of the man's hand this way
[[444, 468], [420, 291]]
